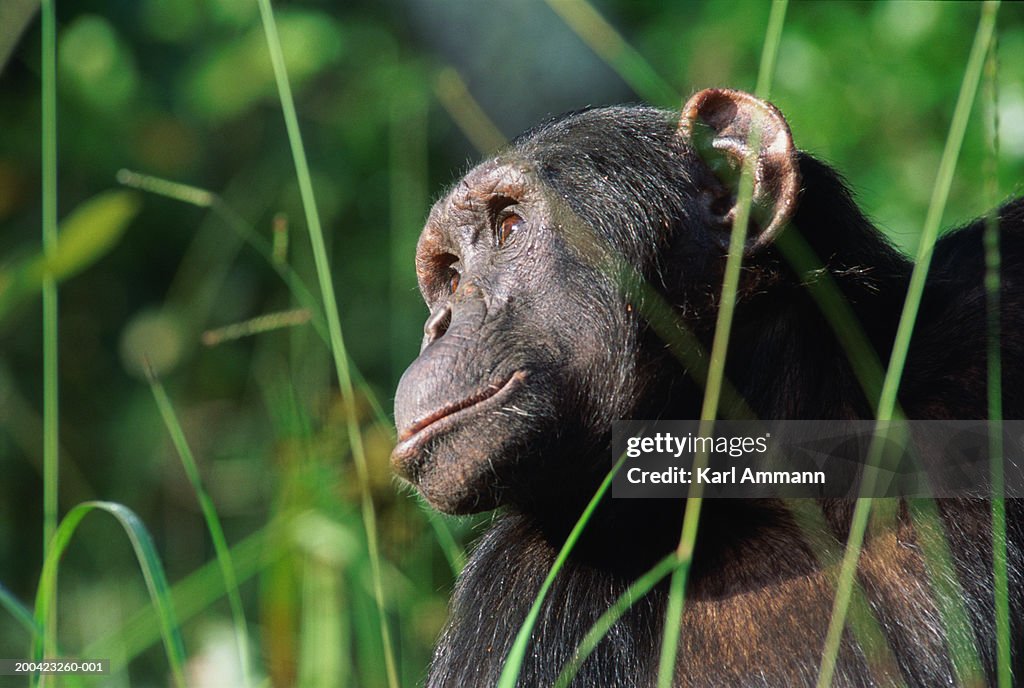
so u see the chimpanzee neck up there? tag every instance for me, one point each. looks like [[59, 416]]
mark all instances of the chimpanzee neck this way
[[496, 590], [494, 595]]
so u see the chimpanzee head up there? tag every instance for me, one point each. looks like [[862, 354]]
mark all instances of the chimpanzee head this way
[[533, 347]]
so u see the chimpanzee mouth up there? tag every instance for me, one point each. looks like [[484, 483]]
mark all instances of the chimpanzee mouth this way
[[418, 433]]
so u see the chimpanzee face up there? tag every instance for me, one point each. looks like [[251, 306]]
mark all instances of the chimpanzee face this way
[[532, 349], [519, 321]]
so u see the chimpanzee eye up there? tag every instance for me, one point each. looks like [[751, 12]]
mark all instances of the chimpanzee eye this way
[[453, 283], [508, 225]]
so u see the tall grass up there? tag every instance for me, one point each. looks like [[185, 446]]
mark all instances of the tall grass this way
[[149, 563], [213, 525], [322, 591], [994, 354], [57, 537], [51, 420], [901, 344], [338, 350], [716, 371], [599, 34], [514, 662]]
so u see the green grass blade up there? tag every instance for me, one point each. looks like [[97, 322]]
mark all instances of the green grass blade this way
[[514, 661], [1000, 562], [453, 553], [186, 193], [51, 390], [49, 154], [90, 231], [323, 627], [204, 198], [149, 563], [901, 345], [716, 369], [949, 594], [770, 50], [937, 206], [213, 525], [637, 589], [189, 598], [867, 631], [610, 46], [19, 611], [261, 324], [454, 96], [333, 324]]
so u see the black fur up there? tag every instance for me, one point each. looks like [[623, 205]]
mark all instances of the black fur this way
[[757, 600]]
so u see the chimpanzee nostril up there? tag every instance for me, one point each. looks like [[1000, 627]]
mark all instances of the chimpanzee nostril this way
[[437, 324]]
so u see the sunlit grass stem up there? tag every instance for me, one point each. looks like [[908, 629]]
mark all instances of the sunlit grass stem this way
[[149, 564], [213, 525], [637, 589], [610, 46], [338, 350], [51, 421], [514, 662], [901, 344], [716, 369], [204, 198], [453, 94], [1000, 555]]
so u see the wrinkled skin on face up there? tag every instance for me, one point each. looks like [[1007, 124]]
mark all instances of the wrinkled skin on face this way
[[520, 318], [534, 344]]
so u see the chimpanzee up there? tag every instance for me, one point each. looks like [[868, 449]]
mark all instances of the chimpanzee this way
[[533, 347]]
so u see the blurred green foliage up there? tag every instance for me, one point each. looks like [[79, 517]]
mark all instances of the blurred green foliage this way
[[390, 96]]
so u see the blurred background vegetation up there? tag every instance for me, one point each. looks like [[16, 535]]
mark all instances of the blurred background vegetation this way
[[395, 99]]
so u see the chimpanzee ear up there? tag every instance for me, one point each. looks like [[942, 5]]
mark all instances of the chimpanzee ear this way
[[718, 123]]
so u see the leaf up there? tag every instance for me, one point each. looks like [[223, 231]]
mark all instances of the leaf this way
[[149, 564], [238, 74], [86, 235]]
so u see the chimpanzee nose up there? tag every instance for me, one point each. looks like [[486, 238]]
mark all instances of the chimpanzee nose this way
[[437, 324]]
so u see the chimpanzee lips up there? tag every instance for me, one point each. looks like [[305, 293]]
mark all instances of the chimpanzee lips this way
[[413, 438]]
